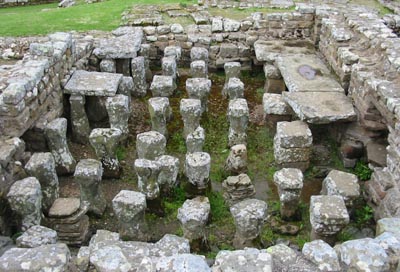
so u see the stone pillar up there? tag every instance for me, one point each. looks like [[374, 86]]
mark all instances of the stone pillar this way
[[195, 140], [105, 142], [236, 163], [198, 69], [150, 145], [138, 71], [328, 216], [275, 109], [145, 53], [147, 172], [88, 175], [232, 70], [238, 114], [197, 171], [56, 135], [190, 110], [289, 182], [237, 188], [108, 65], [169, 169], [162, 86], [43, 167], [199, 53], [199, 88], [273, 79], [342, 184], [169, 68], [129, 207], [292, 145], [79, 119], [118, 112], [249, 216], [25, 199], [193, 216], [160, 112], [173, 51], [126, 87], [234, 88]]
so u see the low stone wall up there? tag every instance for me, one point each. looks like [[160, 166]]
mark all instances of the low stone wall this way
[[15, 3]]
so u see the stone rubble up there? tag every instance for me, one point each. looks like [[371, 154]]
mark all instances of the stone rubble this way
[[237, 188], [37, 236]]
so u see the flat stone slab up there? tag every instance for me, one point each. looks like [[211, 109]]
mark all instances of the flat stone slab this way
[[321, 107], [268, 51], [306, 73], [93, 83], [122, 47], [64, 207]]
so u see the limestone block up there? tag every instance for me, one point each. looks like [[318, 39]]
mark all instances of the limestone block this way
[[238, 115], [43, 258], [25, 199], [129, 207], [169, 169], [294, 134], [88, 174], [169, 68], [79, 119], [217, 24], [150, 145], [56, 135], [197, 169], [43, 167], [231, 25], [195, 140], [342, 184], [237, 188], [199, 53], [36, 236], [138, 70], [105, 141], [321, 254], [249, 216], [249, 259], [199, 88], [193, 216], [126, 87], [148, 172], [234, 88], [118, 109], [190, 110], [160, 112], [181, 262], [236, 162], [274, 104], [391, 225], [173, 51], [198, 69], [108, 65], [82, 258], [162, 86]]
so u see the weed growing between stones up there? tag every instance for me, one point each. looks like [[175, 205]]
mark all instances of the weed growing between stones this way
[[362, 171]]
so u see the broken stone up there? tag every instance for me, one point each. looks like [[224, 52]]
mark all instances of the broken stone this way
[[236, 163], [238, 114], [129, 207], [36, 236], [56, 135], [82, 258], [321, 254], [183, 263], [249, 216], [105, 142], [88, 175], [64, 207], [43, 167], [147, 172], [249, 259], [274, 104], [160, 112], [289, 182], [199, 88], [193, 216], [237, 188], [25, 199], [150, 145], [190, 110]]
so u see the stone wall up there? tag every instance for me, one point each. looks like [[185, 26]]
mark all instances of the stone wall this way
[[15, 3]]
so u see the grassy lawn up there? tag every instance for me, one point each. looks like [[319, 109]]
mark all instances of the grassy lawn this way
[[43, 19]]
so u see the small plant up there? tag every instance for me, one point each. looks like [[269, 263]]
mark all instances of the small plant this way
[[364, 215], [120, 153], [219, 210], [173, 203], [362, 171], [344, 236]]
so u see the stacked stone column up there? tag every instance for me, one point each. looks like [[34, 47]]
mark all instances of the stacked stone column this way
[[129, 207], [118, 109], [232, 71], [289, 182], [43, 167], [160, 112], [273, 79], [25, 199], [292, 145], [88, 175], [199, 88], [56, 135], [105, 142], [139, 70], [199, 62], [197, 171], [190, 110], [238, 114]]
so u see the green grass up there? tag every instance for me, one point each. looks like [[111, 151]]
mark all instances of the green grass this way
[[238, 14], [44, 19], [173, 203]]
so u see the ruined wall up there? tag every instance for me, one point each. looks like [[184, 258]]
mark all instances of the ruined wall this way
[[15, 3]]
